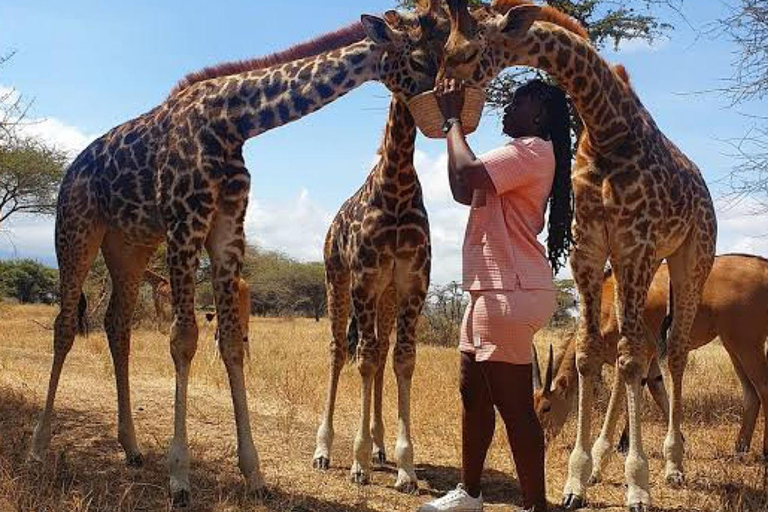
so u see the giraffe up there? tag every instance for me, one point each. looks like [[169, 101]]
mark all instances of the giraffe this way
[[733, 307], [638, 200], [177, 174], [378, 254], [161, 297]]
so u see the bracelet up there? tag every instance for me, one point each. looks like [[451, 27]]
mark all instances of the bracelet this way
[[448, 124]]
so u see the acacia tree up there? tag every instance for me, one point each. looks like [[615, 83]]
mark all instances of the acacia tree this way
[[746, 25], [30, 168]]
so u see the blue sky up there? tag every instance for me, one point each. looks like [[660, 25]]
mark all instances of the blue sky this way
[[90, 65]]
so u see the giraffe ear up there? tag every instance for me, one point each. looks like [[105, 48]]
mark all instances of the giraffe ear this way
[[377, 29], [518, 20]]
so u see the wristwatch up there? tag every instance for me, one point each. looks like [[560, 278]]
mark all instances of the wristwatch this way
[[449, 123]]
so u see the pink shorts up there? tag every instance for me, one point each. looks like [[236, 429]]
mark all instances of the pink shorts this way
[[499, 324]]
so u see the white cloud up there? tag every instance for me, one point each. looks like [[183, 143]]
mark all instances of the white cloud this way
[[741, 228], [51, 130], [297, 227]]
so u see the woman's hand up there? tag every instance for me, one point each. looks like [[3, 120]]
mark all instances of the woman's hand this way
[[450, 97]]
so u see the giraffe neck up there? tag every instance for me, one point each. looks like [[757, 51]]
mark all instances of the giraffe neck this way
[[598, 93], [395, 172], [258, 101]]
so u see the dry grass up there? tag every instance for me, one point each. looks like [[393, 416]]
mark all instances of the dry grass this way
[[287, 379]]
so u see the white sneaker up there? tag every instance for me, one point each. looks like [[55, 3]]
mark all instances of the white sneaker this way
[[458, 500]]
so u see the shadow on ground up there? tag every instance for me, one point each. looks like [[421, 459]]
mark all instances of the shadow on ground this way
[[89, 472]]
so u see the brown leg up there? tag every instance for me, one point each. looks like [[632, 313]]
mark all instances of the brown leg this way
[[755, 366], [365, 298], [126, 265], [411, 300], [478, 422], [78, 236], [386, 317], [633, 278], [337, 282], [511, 389], [226, 244], [587, 264], [689, 268]]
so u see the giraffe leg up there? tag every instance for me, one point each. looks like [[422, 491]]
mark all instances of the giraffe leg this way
[[689, 268], [77, 243], [602, 447], [386, 316], [405, 362], [751, 404], [365, 302], [225, 245], [633, 278], [126, 265], [184, 333], [658, 391], [587, 264], [337, 281]]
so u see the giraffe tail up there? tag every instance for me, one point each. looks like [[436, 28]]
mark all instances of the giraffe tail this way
[[666, 324], [82, 315], [353, 339]]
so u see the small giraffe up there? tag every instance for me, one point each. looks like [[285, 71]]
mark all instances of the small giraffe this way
[[638, 200], [377, 252], [161, 297], [177, 174]]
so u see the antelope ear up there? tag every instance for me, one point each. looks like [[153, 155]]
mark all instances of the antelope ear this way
[[518, 20], [377, 29]]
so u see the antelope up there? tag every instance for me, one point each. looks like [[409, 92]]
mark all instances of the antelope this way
[[734, 306]]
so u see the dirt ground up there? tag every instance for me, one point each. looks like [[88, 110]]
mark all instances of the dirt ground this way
[[287, 376]]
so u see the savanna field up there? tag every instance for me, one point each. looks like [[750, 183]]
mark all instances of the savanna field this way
[[287, 377]]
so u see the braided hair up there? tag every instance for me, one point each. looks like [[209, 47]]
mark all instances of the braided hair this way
[[555, 125]]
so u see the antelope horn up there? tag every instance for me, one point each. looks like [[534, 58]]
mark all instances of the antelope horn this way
[[550, 370], [536, 370]]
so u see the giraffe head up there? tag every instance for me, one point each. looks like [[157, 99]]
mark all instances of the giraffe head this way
[[484, 42], [411, 47]]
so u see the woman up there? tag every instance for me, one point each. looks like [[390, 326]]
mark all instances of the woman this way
[[508, 277]]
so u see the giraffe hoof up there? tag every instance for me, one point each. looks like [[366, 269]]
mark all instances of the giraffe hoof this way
[[638, 507], [379, 458], [406, 483], [135, 460], [675, 479], [358, 476], [321, 463], [181, 499], [573, 502], [623, 446]]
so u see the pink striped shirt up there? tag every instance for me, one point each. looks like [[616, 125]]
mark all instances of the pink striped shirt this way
[[501, 251]]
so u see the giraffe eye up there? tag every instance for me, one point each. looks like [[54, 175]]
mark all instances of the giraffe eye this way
[[419, 65]]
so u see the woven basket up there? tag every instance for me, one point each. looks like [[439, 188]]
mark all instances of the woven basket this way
[[430, 120]]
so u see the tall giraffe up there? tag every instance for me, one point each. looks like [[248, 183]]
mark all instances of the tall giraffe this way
[[377, 252], [638, 200], [161, 297], [177, 174]]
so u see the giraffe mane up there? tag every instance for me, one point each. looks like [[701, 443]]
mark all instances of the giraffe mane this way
[[620, 70], [344, 36], [548, 14]]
